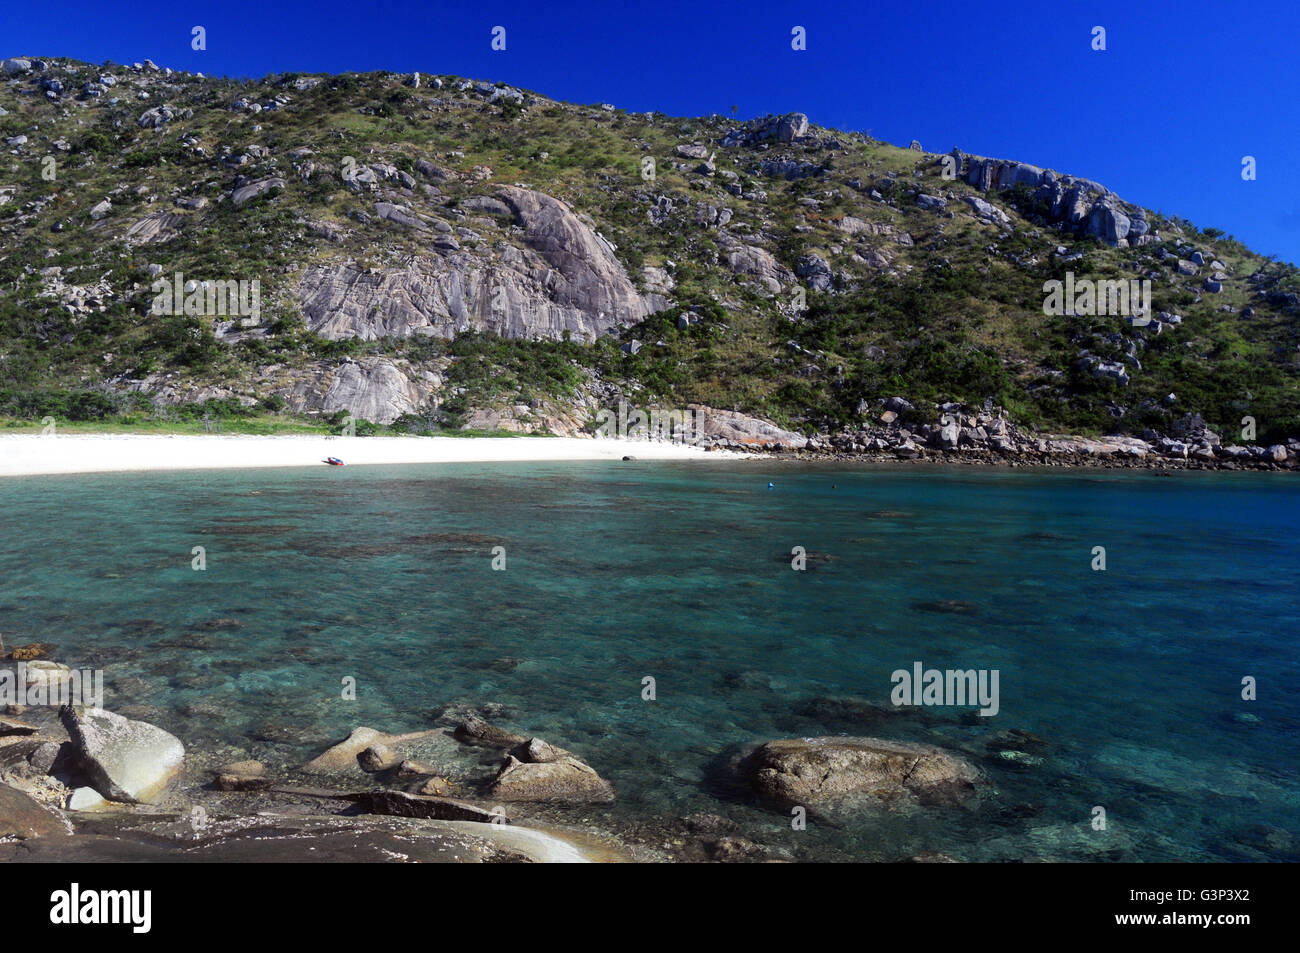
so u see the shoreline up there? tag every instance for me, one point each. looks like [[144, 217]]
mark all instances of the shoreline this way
[[1034, 460], [42, 455], [431, 795]]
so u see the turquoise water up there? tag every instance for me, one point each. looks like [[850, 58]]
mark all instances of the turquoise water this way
[[681, 572]]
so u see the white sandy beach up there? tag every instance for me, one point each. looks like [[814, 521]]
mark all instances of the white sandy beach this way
[[34, 454]]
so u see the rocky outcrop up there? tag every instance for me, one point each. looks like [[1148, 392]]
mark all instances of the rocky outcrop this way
[[816, 272], [789, 169], [987, 210], [589, 278], [759, 264], [1078, 204], [373, 388], [808, 771], [158, 116], [562, 279], [75, 299], [732, 429], [567, 780], [1107, 221], [562, 418], [782, 129], [788, 128], [986, 174], [158, 227], [987, 435], [255, 190], [1108, 369], [127, 761]]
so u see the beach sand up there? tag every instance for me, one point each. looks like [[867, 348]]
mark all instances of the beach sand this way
[[35, 454]]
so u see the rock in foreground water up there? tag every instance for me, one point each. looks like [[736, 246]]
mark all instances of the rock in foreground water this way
[[346, 754], [567, 780], [814, 770], [475, 731]]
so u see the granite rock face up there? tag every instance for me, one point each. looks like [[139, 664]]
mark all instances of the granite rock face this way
[[157, 227], [375, 389], [562, 278], [760, 265], [784, 129]]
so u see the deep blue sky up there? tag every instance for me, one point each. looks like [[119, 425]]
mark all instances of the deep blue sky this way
[[1163, 117]]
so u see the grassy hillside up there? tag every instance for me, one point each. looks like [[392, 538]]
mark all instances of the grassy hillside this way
[[932, 305]]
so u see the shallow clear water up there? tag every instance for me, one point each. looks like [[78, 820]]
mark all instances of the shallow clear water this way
[[682, 572]]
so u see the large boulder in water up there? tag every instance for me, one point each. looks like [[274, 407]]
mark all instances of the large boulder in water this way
[[125, 760], [809, 771], [538, 771], [566, 780]]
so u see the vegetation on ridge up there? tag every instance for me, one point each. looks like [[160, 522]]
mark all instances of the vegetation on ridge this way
[[934, 305]]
